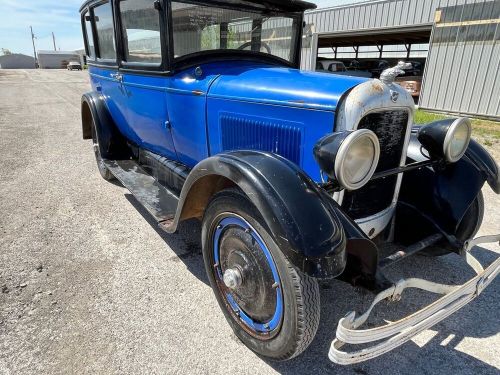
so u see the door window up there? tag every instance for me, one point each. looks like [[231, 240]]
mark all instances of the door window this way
[[105, 33], [141, 31], [89, 36]]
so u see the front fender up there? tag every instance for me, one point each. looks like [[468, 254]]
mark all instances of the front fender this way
[[485, 163], [294, 208], [445, 193]]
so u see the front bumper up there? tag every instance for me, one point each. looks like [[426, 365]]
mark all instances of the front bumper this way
[[394, 334]]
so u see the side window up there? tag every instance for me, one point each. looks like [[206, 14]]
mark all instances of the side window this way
[[105, 34], [141, 31], [89, 36]]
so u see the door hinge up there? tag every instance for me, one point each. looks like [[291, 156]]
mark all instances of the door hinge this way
[[157, 5]]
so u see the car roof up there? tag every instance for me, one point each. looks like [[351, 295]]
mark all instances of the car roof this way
[[283, 5]]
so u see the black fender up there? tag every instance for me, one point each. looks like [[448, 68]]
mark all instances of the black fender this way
[[296, 211], [483, 161], [445, 192], [112, 144]]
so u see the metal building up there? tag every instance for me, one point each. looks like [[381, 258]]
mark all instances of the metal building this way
[[57, 59], [17, 61], [461, 73]]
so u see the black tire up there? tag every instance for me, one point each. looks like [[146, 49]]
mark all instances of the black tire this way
[[467, 229], [103, 170], [301, 300]]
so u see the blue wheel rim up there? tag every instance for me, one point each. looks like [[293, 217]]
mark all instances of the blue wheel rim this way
[[256, 326]]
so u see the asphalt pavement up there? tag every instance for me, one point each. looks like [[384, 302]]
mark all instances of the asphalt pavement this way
[[90, 285]]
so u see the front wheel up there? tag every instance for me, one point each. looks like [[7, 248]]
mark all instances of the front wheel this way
[[271, 306]]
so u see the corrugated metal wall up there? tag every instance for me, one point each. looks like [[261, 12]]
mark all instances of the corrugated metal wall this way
[[461, 73]]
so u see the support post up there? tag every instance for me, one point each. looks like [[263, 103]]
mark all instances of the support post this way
[[314, 51], [380, 50], [54, 41], [34, 49]]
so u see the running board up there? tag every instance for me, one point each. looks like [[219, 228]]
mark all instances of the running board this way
[[160, 202]]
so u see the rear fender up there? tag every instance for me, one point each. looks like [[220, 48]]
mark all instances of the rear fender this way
[[112, 144]]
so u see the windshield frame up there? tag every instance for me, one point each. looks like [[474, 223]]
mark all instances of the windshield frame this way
[[193, 59]]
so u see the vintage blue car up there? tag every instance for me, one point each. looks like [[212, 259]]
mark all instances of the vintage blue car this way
[[199, 108]]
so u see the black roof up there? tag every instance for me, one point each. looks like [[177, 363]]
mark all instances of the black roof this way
[[279, 5]]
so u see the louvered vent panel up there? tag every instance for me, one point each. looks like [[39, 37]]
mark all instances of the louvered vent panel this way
[[248, 134]]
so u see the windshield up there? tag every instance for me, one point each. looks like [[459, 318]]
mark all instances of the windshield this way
[[198, 28]]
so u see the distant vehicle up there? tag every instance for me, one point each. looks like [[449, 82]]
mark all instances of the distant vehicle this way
[[374, 66], [412, 84], [338, 67], [333, 66], [73, 65], [200, 109]]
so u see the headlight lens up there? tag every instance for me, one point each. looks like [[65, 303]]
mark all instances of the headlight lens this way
[[457, 139], [357, 159]]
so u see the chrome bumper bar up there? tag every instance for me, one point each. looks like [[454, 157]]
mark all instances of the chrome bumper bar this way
[[394, 334]]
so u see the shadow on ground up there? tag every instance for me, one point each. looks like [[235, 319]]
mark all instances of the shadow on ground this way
[[477, 320]]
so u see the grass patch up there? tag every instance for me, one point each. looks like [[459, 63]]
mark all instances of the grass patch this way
[[481, 128]]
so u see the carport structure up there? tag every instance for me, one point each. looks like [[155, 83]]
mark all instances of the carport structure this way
[[462, 67], [380, 37]]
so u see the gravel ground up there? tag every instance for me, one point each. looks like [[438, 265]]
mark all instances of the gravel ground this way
[[90, 285]]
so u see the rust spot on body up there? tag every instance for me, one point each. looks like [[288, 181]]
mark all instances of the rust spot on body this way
[[377, 87]]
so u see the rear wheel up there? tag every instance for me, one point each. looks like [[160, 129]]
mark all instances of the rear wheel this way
[[271, 306], [467, 229], [103, 170]]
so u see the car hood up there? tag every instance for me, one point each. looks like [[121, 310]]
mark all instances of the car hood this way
[[283, 86]]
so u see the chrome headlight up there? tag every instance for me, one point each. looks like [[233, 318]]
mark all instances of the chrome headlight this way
[[457, 139], [446, 139], [349, 157]]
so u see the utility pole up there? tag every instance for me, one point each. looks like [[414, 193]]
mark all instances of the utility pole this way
[[54, 40], [34, 49]]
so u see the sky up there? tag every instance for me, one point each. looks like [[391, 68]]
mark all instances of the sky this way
[[58, 16]]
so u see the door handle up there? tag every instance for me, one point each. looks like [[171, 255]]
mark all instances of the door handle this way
[[117, 76]]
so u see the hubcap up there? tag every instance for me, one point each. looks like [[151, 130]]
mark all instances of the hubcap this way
[[247, 277], [232, 278]]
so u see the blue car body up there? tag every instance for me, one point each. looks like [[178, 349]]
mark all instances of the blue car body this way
[[234, 105], [200, 110]]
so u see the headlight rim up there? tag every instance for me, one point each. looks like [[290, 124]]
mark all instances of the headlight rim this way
[[343, 151], [449, 138]]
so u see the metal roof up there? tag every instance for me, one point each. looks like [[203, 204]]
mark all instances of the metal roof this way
[[409, 35], [284, 5]]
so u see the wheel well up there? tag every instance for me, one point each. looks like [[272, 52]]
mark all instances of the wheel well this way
[[200, 194], [86, 121]]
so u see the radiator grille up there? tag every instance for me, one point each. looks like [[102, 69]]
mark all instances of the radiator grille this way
[[390, 128], [249, 134]]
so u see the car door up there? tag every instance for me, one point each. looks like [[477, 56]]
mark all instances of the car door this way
[[102, 61], [142, 84]]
